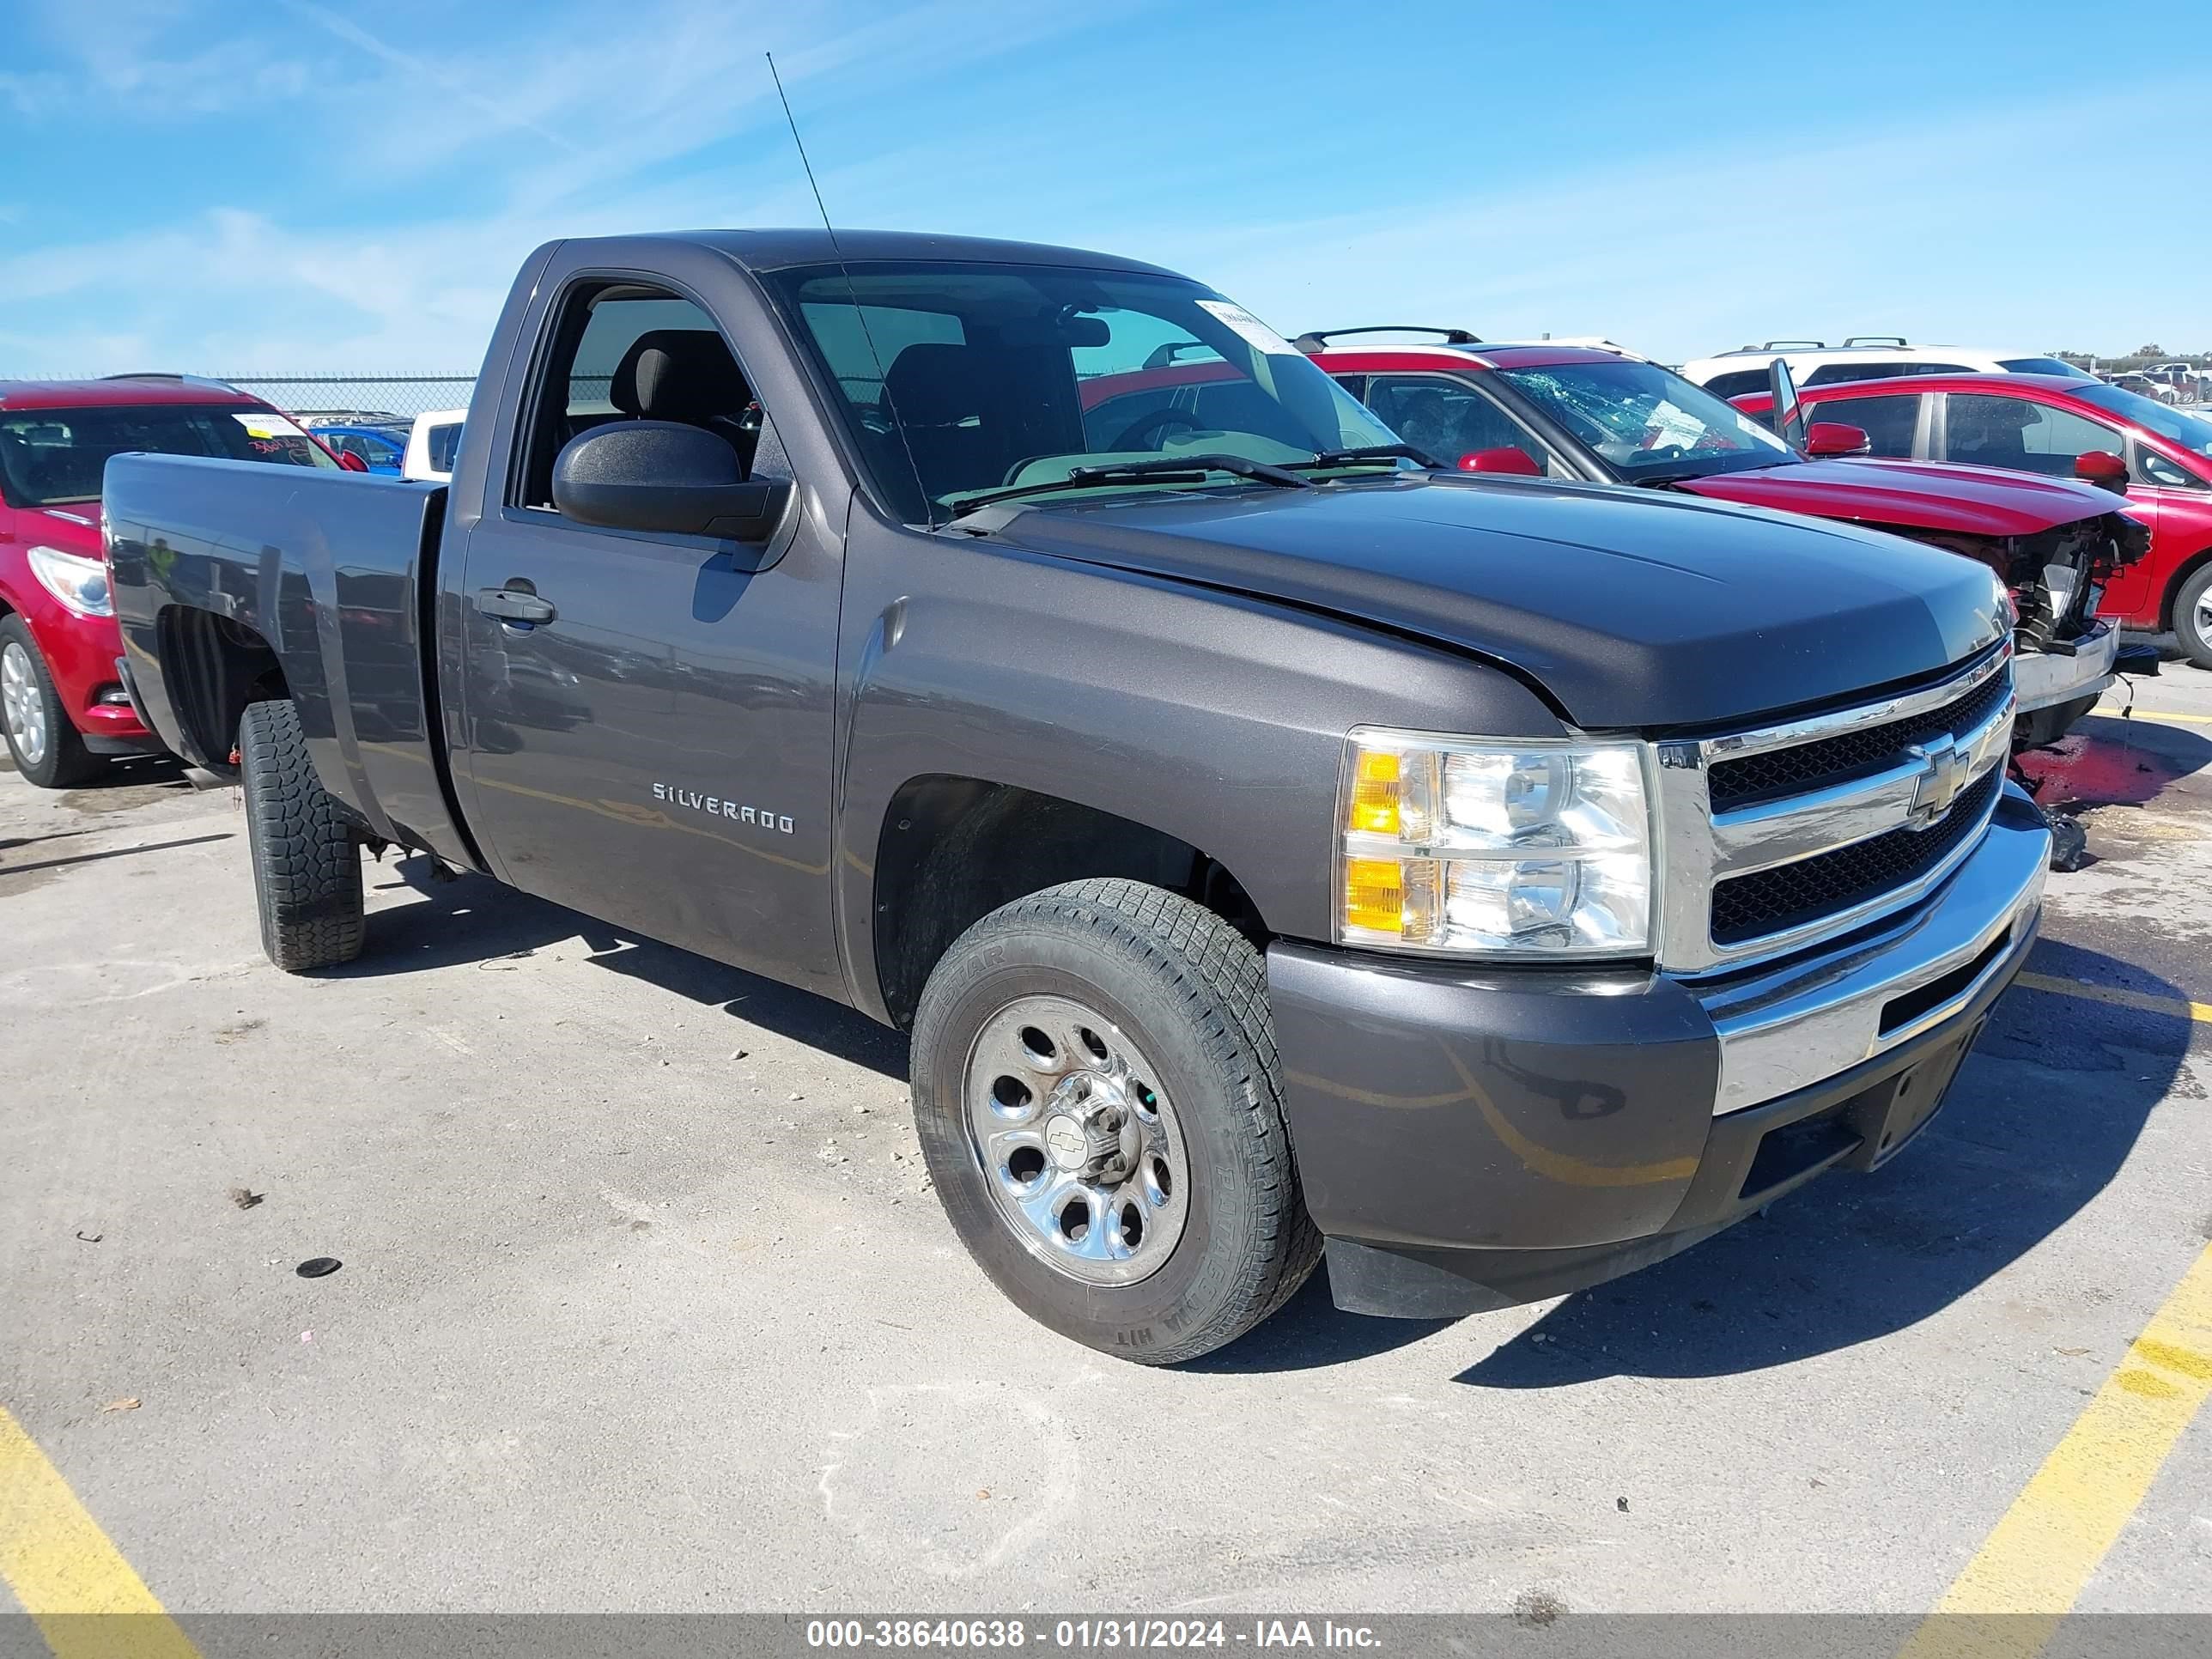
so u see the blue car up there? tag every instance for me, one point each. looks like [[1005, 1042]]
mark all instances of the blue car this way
[[380, 448]]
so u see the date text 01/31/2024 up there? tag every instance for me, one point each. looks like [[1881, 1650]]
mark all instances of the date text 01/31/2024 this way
[[1086, 1633]]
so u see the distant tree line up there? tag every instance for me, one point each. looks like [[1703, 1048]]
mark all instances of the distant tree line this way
[[2141, 357]]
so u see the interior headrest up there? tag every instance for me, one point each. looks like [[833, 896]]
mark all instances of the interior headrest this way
[[935, 383], [678, 374]]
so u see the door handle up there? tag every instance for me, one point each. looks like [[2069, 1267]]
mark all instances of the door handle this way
[[514, 604]]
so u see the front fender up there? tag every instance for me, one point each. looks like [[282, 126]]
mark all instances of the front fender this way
[[1214, 717]]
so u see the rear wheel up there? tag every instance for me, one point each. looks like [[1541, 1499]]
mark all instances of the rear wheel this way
[[1095, 1091], [44, 745], [306, 862], [2192, 616]]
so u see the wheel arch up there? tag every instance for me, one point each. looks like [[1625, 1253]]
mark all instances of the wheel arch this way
[[213, 667], [2171, 596], [954, 847]]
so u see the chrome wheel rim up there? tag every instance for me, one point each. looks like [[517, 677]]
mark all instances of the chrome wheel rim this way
[[2205, 615], [1077, 1141], [24, 709]]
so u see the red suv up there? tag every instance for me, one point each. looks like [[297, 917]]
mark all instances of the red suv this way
[[2160, 455], [63, 702], [1597, 414]]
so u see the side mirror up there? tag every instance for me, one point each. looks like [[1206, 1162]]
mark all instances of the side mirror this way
[[351, 462], [1789, 412], [1505, 458], [665, 477], [1834, 438], [2101, 466]]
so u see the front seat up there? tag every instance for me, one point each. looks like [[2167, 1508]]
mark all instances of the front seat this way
[[951, 408], [688, 375]]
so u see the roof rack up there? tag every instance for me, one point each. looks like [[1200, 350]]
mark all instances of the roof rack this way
[[1317, 339], [1874, 340], [163, 375]]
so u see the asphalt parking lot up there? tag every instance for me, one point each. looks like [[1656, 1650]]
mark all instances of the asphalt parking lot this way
[[644, 1303]]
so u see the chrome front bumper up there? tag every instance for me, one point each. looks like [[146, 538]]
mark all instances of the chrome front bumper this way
[[2044, 679], [1788, 1027]]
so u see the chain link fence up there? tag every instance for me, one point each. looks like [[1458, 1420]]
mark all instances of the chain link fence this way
[[377, 396]]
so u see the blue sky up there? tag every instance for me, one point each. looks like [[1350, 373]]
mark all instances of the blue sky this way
[[200, 185]]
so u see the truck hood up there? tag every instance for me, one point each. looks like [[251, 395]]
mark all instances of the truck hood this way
[[1975, 500], [1632, 609]]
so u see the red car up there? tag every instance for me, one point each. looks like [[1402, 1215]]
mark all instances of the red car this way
[[2160, 455], [63, 703], [1601, 415]]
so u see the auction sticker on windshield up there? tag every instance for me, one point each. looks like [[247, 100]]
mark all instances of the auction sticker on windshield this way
[[266, 423], [1249, 328]]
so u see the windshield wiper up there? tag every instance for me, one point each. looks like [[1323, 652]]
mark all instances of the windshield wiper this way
[[1369, 453], [1168, 469]]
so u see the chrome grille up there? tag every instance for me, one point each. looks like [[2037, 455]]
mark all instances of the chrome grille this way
[[1789, 894], [1774, 773], [1776, 838]]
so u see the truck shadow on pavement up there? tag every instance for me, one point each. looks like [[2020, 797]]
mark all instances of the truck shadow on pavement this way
[[2042, 1117], [473, 919], [2040, 1120]]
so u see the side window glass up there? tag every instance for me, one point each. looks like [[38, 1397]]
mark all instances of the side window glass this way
[[1737, 381], [620, 355], [1449, 419], [2153, 468], [1888, 421], [2026, 437]]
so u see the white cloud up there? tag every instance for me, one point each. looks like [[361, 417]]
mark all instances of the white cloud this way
[[1969, 230]]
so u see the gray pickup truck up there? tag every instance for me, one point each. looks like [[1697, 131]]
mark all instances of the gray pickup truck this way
[[1272, 844]]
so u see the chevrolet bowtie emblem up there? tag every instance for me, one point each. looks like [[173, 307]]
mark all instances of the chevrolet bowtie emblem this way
[[1943, 773]]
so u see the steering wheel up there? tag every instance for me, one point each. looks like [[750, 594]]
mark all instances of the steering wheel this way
[[1141, 435]]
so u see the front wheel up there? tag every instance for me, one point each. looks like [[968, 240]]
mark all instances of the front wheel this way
[[41, 740], [1095, 1093], [2192, 616], [307, 863]]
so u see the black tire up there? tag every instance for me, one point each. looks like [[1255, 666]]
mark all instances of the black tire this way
[[307, 863], [1190, 993], [64, 762], [2195, 642]]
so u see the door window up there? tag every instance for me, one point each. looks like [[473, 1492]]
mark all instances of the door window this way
[[1450, 418], [1833, 373], [619, 354], [1889, 421], [2014, 432], [2153, 468]]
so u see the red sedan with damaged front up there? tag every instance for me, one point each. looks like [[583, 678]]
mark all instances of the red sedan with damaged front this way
[[1597, 414], [63, 702]]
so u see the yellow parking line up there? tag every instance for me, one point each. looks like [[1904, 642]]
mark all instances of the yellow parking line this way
[[2159, 714], [2178, 1007], [2032, 1566], [87, 1601]]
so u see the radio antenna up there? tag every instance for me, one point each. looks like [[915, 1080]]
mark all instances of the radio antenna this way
[[883, 374]]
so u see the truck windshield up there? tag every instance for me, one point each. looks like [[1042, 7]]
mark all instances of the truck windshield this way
[[51, 456], [960, 378], [1644, 422]]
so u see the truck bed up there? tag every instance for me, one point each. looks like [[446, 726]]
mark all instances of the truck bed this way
[[333, 571]]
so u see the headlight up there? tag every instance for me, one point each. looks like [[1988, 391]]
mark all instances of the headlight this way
[[1528, 850], [79, 583]]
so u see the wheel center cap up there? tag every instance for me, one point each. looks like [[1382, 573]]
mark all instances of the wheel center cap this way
[[1091, 1132], [1065, 1139]]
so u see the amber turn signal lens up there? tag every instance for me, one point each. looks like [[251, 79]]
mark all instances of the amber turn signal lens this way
[[1375, 793], [1375, 894]]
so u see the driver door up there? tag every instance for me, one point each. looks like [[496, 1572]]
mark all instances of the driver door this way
[[646, 717]]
